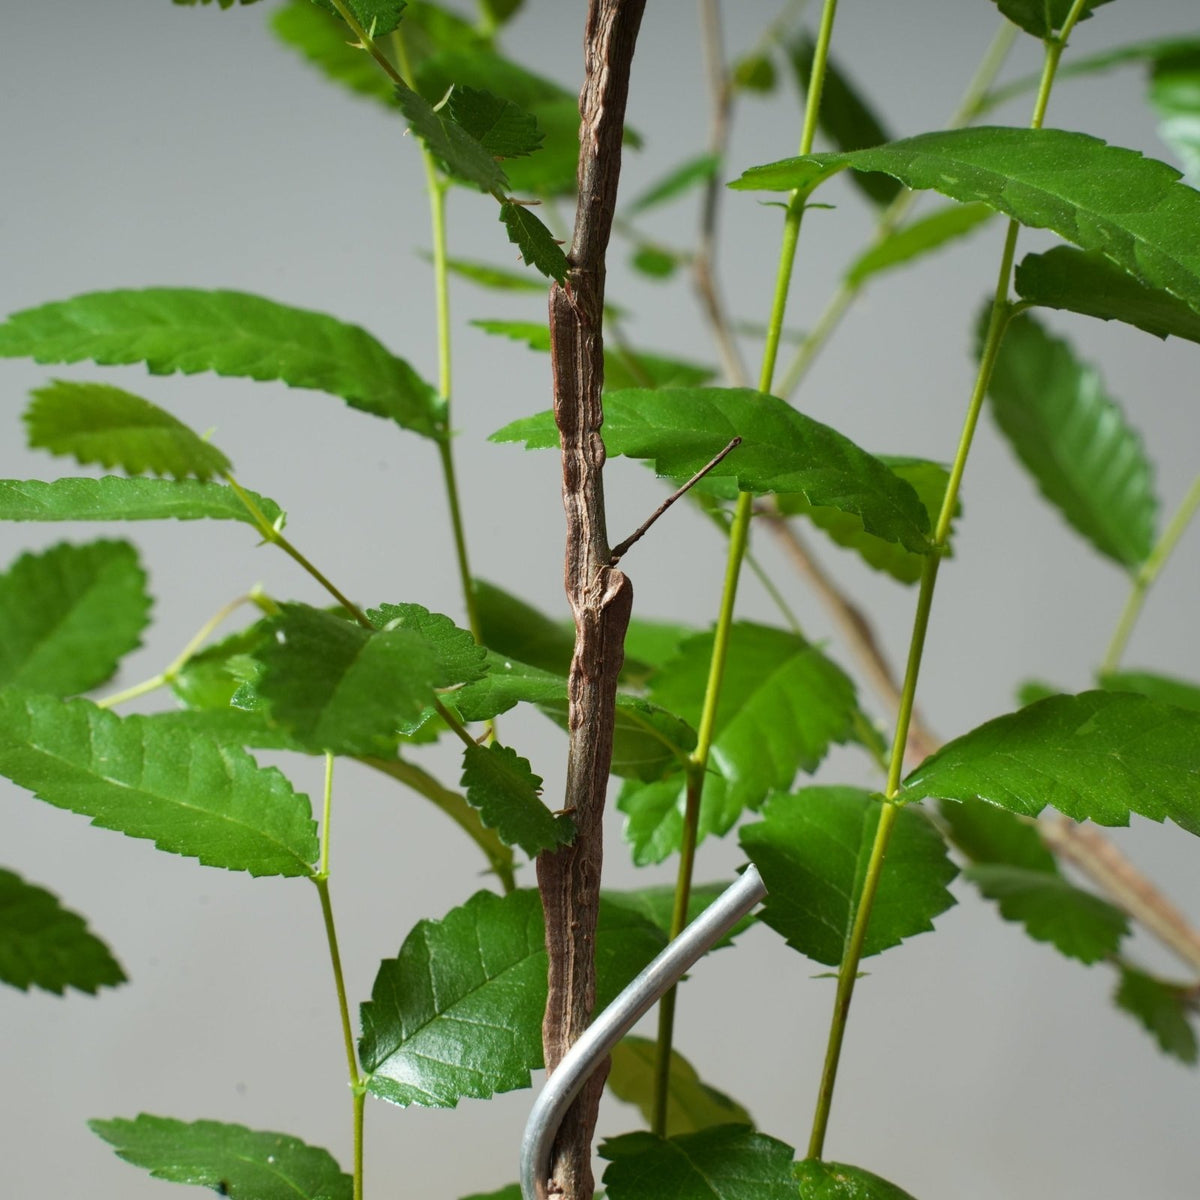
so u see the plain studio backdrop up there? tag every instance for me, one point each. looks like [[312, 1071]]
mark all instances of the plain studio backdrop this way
[[148, 144]]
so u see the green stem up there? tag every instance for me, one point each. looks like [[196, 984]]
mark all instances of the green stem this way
[[1147, 573]]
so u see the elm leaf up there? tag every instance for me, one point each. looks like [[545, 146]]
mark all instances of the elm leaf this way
[[1043, 18], [1165, 1010], [501, 784], [917, 239], [501, 127], [1175, 95], [45, 945], [820, 1180], [537, 244], [1164, 688], [460, 155], [321, 38]]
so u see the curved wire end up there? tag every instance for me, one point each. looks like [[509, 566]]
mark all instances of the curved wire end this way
[[611, 1025]]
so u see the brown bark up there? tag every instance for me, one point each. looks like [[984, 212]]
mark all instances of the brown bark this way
[[601, 596]]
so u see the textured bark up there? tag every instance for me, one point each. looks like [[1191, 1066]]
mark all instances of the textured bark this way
[[600, 595]]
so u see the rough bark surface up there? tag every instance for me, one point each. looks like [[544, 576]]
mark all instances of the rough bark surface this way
[[601, 596]]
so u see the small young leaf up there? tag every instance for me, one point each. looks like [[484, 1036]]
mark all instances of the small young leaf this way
[[1043, 18], [69, 615], [691, 1103], [322, 40], [845, 117], [104, 425], [1084, 281], [498, 278], [782, 450], [1163, 688], [231, 1159], [507, 793], [44, 945], [190, 794], [1165, 1010], [231, 333], [654, 263], [535, 242], [725, 1162], [677, 181], [1175, 95], [755, 73], [501, 127], [917, 239], [1052, 909], [377, 17], [459, 154], [820, 1180], [812, 850], [1097, 756], [1074, 441], [115, 498]]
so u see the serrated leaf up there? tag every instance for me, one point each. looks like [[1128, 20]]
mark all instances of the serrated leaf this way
[[1107, 198], [502, 128], [1073, 439], [322, 39], [1098, 756], [1175, 95], [726, 1162], [657, 904], [1165, 1010], [502, 785], [1086, 282], [691, 1103], [377, 17], [782, 450], [231, 1159], [498, 278], [1077, 923], [47, 946], [348, 690], [812, 850], [917, 239], [459, 154], [537, 244], [1043, 18], [845, 117], [459, 1012], [515, 629], [987, 834], [185, 791], [115, 498], [676, 182], [69, 614], [820, 1180], [927, 479], [1163, 688], [109, 427]]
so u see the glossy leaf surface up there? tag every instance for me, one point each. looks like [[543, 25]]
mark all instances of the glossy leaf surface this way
[[727, 1162], [230, 1159], [1043, 18], [812, 850], [536, 243], [230, 333], [920, 237], [109, 427], [502, 128], [1165, 1010], [1097, 756], [1164, 688], [507, 793], [69, 614], [691, 1103], [459, 154], [115, 498], [1175, 95], [47, 946], [188, 793], [987, 834], [682, 429], [821, 1180], [1075, 442], [518, 630]]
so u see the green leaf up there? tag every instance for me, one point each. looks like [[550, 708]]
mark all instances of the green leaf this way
[[845, 117], [69, 614], [230, 1159], [1086, 282], [927, 479], [190, 794], [987, 834], [1079, 924], [459, 1012], [691, 1104], [946, 224], [497, 278], [782, 450], [500, 11], [110, 427], [459, 154], [1073, 439], [515, 629], [348, 690], [1163, 688], [812, 849], [508, 795], [115, 498], [1043, 18], [322, 40], [1107, 198], [727, 1162], [1165, 1010], [821, 1180], [501, 127], [1097, 756], [377, 17], [650, 644], [680, 179], [1175, 95], [654, 263], [45, 945], [754, 73], [511, 1192], [231, 333], [657, 904], [223, 3], [536, 243]]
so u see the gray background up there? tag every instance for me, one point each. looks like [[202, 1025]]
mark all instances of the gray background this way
[[146, 144]]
